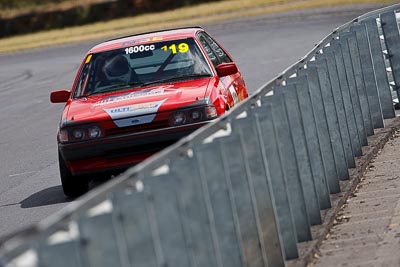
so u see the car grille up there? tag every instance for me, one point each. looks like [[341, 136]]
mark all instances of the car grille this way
[[137, 128], [137, 150]]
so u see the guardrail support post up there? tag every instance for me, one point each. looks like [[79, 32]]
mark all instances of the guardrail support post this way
[[310, 129], [64, 254], [344, 42], [245, 199], [268, 140], [196, 211], [224, 211], [321, 121], [99, 250], [328, 102], [134, 215], [374, 72], [390, 29], [363, 73], [290, 168], [348, 107], [312, 184], [167, 224], [260, 178], [341, 114]]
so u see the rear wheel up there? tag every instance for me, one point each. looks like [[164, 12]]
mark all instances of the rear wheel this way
[[73, 185]]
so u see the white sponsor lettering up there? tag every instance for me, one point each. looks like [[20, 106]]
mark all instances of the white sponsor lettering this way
[[115, 99], [149, 108], [139, 48]]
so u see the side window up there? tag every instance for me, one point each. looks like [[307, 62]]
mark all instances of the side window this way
[[86, 71], [209, 51], [223, 57]]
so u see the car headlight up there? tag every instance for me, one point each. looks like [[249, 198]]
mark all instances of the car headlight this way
[[94, 132], [178, 118], [193, 115], [80, 133]]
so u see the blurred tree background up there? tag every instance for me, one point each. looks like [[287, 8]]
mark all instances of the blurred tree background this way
[[24, 16], [13, 4], [141, 4]]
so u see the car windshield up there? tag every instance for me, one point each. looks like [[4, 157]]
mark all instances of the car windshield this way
[[141, 65]]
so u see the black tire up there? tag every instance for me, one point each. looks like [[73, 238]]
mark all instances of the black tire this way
[[73, 185]]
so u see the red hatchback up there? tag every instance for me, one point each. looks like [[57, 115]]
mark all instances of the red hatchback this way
[[136, 95]]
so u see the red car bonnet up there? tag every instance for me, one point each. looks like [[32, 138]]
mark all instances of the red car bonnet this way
[[144, 100]]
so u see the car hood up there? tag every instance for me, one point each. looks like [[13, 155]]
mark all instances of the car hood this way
[[136, 102]]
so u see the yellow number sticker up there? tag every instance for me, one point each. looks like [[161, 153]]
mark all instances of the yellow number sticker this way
[[88, 59], [173, 48], [182, 48]]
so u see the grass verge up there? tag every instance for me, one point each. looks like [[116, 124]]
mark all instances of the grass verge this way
[[194, 15]]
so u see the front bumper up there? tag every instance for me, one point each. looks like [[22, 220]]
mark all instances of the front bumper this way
[[120, 151]]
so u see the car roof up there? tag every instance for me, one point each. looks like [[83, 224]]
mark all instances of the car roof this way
[[143, 38]]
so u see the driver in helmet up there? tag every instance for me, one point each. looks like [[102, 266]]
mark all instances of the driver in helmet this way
[[117, 70]]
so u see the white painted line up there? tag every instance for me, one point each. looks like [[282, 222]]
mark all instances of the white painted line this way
[[22, 173]]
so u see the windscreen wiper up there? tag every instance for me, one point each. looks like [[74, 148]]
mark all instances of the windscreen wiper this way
[[177, 78], [115, 86]]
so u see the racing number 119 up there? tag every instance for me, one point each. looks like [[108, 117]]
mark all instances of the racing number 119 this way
[[182, 48]]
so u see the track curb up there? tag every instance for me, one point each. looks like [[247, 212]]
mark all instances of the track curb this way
[[309, 250]]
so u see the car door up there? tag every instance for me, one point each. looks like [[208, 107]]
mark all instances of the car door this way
[[234, 85]]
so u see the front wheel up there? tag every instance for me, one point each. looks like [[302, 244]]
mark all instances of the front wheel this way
[[73, 185]]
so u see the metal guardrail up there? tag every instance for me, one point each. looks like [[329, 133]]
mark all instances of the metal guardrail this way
[[244, 190]]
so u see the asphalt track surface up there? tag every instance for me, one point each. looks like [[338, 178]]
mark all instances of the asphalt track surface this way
[[30, 189]]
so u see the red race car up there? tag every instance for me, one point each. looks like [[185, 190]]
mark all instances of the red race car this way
[[134, 96]]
